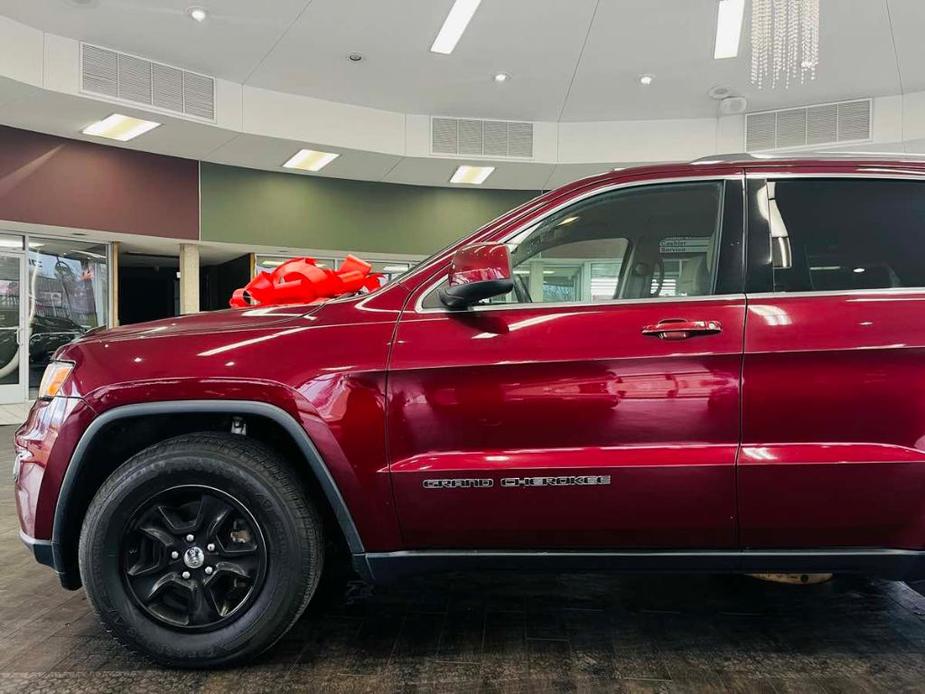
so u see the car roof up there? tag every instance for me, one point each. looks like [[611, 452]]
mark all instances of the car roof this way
[[725, 164]]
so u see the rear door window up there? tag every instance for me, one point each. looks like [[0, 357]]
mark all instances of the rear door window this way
[[846, 234]]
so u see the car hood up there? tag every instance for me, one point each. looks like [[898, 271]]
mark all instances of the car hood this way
[[228, 320]]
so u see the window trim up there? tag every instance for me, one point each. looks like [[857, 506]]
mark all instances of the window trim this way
[[424, 289], [758, 233]]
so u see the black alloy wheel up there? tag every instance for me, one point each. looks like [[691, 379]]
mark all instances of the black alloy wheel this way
[[193, 557], [202, 550]]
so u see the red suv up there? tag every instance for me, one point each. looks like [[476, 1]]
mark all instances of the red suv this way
[[716, 366]]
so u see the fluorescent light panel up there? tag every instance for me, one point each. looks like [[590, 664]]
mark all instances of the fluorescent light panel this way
[[728, 28], [119, 127], [454, 25], [310, 160], [472, 174]]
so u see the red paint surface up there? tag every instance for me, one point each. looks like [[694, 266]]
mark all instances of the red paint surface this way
[[483, 262], [579, 388], [830, 412], [834, 421]]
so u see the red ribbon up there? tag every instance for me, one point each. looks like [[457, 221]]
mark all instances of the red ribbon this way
[[301, 281]]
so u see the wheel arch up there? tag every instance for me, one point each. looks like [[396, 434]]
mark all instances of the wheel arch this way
[[78, 486]]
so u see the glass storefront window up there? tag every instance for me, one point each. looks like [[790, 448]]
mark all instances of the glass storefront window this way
[[389, 269], [68, 290], [268, 263], [10, 293]]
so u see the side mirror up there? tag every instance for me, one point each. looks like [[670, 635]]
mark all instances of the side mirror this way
[[477, 272]]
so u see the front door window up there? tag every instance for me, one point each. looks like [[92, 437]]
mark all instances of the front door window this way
[[658, 241]]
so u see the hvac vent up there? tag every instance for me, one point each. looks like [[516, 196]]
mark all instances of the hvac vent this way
[[487, 138], [809, 126], [126, 77]]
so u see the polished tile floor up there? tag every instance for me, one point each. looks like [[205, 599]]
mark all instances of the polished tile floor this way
[[557, 632]]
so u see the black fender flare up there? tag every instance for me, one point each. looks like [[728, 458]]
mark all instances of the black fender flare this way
[[243, 407]]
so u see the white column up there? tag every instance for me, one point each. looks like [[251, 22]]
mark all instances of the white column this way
[[189, 278]]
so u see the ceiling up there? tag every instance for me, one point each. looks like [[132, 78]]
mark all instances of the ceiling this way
[[569, 60]]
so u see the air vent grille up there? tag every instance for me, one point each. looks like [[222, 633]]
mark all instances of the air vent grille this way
[[145, 82], [487, 138], [809, 126]]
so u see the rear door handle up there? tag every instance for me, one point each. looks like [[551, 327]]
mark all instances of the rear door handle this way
[[680, 329]]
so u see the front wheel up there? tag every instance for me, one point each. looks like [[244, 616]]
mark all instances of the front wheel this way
[[201, 550]]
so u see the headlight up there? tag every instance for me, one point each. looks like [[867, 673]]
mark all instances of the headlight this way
[[53, 378]]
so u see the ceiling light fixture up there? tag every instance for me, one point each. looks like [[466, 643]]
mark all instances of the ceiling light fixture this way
[[502, 77], [646, 80], [785, 41], [728, 28], [454, 25], [119, 127], [310, 160], [197, 14], [473, 175], [355, 57]]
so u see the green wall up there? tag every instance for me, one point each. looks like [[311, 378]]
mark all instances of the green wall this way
[[279, 209]]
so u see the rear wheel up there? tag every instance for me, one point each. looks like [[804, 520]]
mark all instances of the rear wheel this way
[[201, 550]]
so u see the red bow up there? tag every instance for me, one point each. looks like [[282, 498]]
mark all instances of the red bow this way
[[301, 281]]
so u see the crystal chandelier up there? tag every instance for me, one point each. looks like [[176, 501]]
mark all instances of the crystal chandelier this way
[[785, 41]]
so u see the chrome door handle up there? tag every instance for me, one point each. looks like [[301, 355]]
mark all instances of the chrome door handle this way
[[680, 329]]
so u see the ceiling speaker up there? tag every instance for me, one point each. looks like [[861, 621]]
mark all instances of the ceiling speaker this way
[[733, 105]]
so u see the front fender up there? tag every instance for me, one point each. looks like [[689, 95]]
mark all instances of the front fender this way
[[63, 511]]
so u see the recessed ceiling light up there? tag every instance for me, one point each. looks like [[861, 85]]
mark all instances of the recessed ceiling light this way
[[728, 28], [310, 160], [119, 127], [646, 80], [502, 77], [198, 14], [454, 25], [355, 58], [473, 175]]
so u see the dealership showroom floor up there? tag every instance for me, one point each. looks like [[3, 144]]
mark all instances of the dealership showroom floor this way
[[500, 633]]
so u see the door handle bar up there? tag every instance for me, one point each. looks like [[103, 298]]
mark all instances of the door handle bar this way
[[682, 329]]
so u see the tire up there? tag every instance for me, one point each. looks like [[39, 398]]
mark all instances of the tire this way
[[269, 549]]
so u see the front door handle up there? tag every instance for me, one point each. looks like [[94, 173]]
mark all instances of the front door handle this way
[[680, 329]]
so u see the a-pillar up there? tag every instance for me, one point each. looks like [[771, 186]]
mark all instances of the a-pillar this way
[[189, 278]]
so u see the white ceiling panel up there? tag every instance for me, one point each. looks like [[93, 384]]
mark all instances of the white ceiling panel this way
[[229, 44], [536, 41], [908, 21], [301, 46], [674, 42]]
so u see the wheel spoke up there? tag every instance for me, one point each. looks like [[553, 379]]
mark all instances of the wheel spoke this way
[[143, 568], [234, 549], [151, 589], [212, 514], [174, 523], [203, 607], [227, 567], [157, 534]]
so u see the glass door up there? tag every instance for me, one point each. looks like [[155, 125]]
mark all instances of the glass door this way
[[13, 365]]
